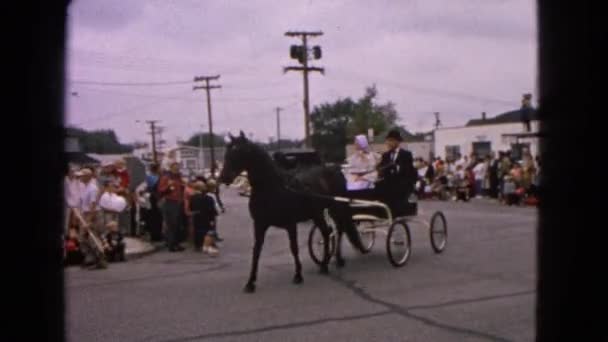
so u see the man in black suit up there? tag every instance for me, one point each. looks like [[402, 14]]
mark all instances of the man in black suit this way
[[397, 175]]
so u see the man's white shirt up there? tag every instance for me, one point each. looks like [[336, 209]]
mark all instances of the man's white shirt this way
[[90, 193]]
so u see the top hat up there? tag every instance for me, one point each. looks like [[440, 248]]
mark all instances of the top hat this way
[[394, 134]]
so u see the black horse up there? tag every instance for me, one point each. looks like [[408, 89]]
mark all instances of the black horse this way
[[282, 200]]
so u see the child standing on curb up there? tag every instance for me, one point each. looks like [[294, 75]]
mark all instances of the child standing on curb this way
[[204, 213]]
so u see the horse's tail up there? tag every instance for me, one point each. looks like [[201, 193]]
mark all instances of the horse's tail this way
[[340, 213]]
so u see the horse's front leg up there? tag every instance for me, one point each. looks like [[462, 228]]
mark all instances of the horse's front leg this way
[[293, 245], [259, 235]]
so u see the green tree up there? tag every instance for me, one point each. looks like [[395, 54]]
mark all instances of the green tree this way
[[336, 124], [98, 141], [368, 114], [330, 122], [285, 144], [195, 140]]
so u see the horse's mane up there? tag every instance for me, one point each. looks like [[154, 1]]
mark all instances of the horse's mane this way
[[265, 163]]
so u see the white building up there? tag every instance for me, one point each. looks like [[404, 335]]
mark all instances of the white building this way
[[501, 133], [190, 159], [193, 160]]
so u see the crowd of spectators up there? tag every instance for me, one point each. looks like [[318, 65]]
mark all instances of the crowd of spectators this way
[[100, 211], [500, 176]]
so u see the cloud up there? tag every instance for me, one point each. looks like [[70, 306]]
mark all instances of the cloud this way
[[106, 15], [425, 56]]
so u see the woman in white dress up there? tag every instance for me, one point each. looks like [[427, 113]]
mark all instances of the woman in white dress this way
[[361, 169]]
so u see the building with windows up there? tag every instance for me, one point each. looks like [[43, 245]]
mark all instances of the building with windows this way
[[504, 132]]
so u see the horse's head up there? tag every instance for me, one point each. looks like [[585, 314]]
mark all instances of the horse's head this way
[[235, 158]]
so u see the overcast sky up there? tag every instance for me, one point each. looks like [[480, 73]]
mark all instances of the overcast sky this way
[[457, 57]]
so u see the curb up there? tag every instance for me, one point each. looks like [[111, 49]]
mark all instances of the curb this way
[[145, 252]]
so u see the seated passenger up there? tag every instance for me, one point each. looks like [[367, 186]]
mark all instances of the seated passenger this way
[[361, 170]]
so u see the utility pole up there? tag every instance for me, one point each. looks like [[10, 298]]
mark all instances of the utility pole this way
[[201, 157], [437, 121], [153, 131], [160, 143], [207, 88], [301, 53], [279, 109]]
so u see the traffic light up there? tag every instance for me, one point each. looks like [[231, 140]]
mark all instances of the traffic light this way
[[295, 51], [298, 52], [316, 51]]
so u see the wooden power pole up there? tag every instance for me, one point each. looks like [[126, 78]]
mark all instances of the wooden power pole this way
[[301, 53], [153, 131], [207, 87], [279, 109]]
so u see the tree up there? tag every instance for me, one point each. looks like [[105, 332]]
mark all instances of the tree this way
[[330, 122], [367, 114], [336, 124], [195, 140], [285, 144], [98, 141]]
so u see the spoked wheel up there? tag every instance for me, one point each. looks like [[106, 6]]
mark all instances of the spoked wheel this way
[[438, 232], [368, 238], [398, 243], [316, 245]]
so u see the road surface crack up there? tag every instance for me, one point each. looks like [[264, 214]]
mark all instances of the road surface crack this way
[[279, 327], [405, 312]]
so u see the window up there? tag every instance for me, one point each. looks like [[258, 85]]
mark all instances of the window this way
[[452, 152], [517, 150], [482, 148]]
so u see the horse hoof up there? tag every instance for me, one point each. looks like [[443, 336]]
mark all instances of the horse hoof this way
[[340, 263], [249, 288], [297, 279], [324, 270]]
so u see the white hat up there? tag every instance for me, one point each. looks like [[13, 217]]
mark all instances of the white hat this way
[[361, 141], [84, 172]]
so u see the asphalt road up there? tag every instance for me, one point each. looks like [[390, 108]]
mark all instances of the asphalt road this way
[[480, 289]]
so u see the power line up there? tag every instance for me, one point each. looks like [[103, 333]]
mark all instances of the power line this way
[[129, 110], [130, 84], [428, 90], [184, 99]]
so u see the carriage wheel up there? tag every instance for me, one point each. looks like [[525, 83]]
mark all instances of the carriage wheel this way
[[367, 238], [315, 245], [438, 232], [398, 243]]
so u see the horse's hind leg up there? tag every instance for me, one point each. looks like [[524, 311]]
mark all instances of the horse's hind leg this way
[[325, 231], [293, 245], [340, 262], [260, 233]]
